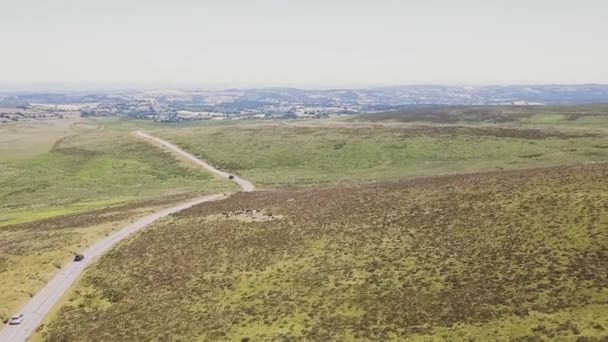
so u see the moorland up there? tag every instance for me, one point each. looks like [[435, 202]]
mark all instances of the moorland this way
[[65, 184], [385, 227], [515, 255]]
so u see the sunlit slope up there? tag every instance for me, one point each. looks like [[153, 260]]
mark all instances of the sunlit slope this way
[[496, 256], [93, 170], [278, 155]]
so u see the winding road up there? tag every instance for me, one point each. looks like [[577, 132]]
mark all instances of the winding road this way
[[40, 305], [245, 186]]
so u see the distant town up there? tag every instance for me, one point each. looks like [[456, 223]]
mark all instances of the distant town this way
[[279, 103]]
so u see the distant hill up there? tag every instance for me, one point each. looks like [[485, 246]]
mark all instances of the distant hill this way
[[369, 98]]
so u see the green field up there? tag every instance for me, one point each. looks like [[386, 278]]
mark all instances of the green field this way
[[75, 186], [279, 155], [93, 170], [518, 255], [22, 141], [587, 116]]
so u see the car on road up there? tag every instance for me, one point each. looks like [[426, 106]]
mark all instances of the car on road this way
[[231, 177], [16, 320], [79, 257]]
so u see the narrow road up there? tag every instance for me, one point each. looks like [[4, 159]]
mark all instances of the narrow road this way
[[35, 310], [245, 185], [40, 305]]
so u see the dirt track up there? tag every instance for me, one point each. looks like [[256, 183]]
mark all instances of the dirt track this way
[[245, 185]]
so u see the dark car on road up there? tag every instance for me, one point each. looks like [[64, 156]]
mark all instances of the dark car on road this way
[[79, 257], [231, 177]]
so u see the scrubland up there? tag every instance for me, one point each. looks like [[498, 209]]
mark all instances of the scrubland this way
[[517, 255], [487, 225]]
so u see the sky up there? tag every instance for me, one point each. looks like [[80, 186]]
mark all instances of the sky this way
[[302, 43]]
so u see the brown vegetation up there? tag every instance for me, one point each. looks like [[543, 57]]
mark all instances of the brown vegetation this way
[[96, 216], [380, 261]]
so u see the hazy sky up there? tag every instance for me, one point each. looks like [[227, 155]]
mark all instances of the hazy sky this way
[[302, 43]]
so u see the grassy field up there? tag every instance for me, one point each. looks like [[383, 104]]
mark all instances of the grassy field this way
[[94, 170], [279, 155], [517, 255], [589, 116], [77, 183], [22, 141], [32, 252]]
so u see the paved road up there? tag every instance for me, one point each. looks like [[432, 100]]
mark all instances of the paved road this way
[[245, 185], [35, 310]]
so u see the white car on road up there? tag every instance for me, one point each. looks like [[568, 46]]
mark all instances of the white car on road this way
[[16, 320]]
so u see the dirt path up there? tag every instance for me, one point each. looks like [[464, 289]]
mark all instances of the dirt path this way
[[245, 185]]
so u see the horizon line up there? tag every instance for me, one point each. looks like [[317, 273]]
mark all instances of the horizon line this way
[[122, 86]]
